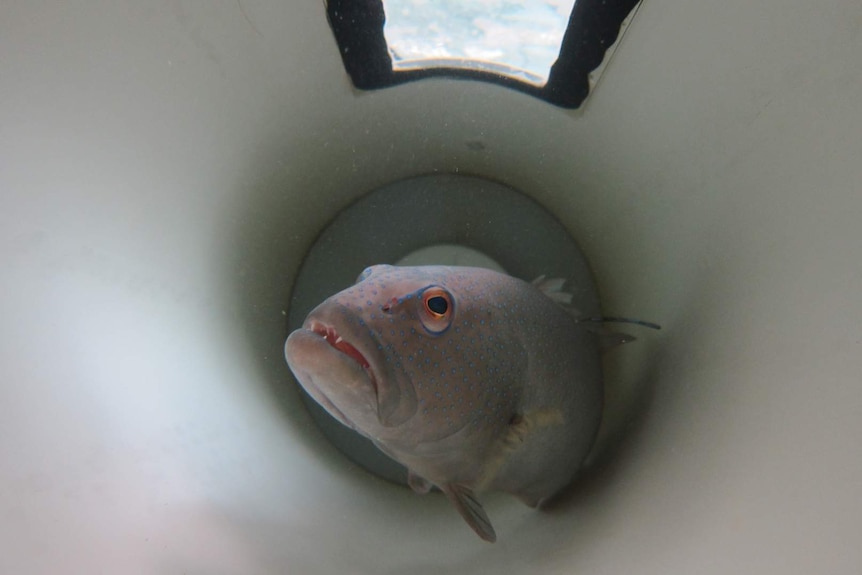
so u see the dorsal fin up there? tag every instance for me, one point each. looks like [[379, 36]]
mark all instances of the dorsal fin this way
[[553, 288], [471, 510]]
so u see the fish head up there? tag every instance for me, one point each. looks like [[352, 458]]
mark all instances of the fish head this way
[[354, 350]]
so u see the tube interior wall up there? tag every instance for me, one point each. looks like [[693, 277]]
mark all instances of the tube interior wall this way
[[165, 166]]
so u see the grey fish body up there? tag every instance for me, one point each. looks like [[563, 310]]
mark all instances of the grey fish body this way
[[474, 380]]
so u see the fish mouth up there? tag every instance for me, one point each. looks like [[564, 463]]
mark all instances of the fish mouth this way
[[337, 342]]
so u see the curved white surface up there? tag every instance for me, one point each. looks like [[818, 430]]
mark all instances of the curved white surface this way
[[164, 166]]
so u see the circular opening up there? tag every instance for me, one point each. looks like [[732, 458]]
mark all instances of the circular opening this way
[[436, 219]]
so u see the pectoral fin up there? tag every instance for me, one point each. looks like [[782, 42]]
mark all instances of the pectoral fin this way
[[471, 510], [418, 483]]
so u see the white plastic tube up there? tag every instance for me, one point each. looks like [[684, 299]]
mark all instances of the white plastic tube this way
[[165, 166]]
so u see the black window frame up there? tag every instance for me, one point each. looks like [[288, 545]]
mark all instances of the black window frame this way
[[593, 28]]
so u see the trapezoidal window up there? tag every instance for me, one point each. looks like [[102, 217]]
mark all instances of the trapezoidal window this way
[[550, 49]]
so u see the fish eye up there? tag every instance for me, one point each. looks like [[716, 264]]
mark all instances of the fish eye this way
[[436, 303], [437, 309]]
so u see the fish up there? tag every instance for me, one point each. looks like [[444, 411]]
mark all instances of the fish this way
[[474, 380]]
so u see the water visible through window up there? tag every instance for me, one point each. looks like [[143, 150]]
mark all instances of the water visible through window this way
[[519, 38]]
